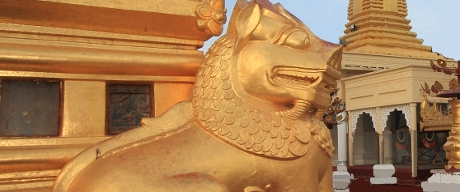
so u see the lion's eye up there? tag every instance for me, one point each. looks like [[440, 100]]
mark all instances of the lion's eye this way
[[296, 39]]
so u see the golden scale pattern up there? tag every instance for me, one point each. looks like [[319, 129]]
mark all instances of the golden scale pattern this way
[[220, 111]]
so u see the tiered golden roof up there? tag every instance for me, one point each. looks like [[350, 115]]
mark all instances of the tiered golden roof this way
[[380, 27]]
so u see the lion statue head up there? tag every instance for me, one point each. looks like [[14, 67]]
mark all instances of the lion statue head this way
[[265, 84]]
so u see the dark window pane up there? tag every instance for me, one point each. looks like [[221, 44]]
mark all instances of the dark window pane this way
[[29, 108], [128, 104]]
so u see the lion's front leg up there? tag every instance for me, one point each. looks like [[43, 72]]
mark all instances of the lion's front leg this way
[[325, 184]]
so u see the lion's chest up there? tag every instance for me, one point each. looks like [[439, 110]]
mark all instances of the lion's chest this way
[[239, 169]]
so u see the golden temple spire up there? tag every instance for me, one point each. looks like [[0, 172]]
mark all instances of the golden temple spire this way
[[380, 27]]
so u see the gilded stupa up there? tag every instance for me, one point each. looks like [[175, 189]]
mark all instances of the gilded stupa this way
[[383, 66], [381, 27]]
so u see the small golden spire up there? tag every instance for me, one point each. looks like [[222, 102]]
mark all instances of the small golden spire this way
[[381, 27]]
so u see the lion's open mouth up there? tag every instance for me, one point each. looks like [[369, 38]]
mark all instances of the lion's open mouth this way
[[295, 76]]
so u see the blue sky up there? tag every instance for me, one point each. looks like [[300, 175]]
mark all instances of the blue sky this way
[[437, 22]]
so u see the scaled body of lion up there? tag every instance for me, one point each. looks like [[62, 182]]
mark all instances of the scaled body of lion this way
[[251, 125]]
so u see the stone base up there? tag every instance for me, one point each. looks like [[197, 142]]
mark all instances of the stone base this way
[[442, 182], [384, 170], [383, 180], [341, 178], [341, 190], [383, 173], [341, 185]]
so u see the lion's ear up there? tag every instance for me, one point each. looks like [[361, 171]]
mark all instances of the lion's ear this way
[[283, 11], [248, 19]]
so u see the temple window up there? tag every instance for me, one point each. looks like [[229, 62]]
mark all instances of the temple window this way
[[30, 108], [127, 104]]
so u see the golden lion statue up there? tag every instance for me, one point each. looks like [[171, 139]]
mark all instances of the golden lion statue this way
[[253, 123]]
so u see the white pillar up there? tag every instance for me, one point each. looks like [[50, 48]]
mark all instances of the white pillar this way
[[379, 130], [350, 140], [342, 130], [413, 134], [381, 161]]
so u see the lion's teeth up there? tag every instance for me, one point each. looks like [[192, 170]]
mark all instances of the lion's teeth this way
[[293, 77]]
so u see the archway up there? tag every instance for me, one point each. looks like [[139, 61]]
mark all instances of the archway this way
[[396, 139], [365, 142]]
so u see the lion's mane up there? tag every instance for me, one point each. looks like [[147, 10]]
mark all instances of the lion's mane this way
[[224, 114]]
